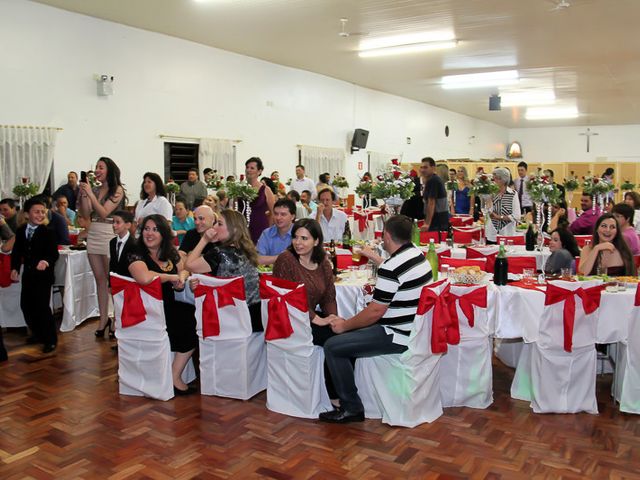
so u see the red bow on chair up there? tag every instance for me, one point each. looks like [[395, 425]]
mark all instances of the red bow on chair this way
[[444, 329], [226, 294], [477, 297], [590, 303], [133, 311], [362, 221], [636, 303], [279, 323]]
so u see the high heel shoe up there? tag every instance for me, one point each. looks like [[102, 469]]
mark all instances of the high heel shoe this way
[[112, 329], [99, 333]]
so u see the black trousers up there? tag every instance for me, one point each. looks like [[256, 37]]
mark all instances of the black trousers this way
[[35, 299]]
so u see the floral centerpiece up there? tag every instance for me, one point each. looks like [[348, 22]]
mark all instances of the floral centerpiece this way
[[627, 186], [172, 188], [365, 186], [541, 189], [25, 189], [340, 182], [596, 187], [451, 185], [571, 184], [483, 184], [393, 185], [241, 193], [216, 181]]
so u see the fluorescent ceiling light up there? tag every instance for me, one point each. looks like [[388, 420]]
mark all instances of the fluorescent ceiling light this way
[[546, 113], [406, 39], [477, 80], [407, 43], [533, 97], [402, 49]]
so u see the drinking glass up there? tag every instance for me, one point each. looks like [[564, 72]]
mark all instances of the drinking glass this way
[[528, 275], [444, 270], [356, 251], [565, 273]]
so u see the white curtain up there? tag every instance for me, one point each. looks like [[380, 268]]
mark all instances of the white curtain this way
[[25, 152], [379, 162], [317, 160], [217, 154]]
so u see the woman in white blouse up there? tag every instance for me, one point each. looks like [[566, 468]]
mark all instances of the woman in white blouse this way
[[153, 199], [505, 208]]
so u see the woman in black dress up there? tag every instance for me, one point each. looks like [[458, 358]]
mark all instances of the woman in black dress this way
[[157, 257]]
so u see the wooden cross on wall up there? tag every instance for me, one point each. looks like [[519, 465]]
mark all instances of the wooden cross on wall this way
[[588, 134]]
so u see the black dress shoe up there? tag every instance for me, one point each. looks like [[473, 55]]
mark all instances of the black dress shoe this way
[[341, 416], [49, 348], [188, 391]]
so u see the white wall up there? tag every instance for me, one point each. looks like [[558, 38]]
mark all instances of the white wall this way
[[565, 144], [167, 85]]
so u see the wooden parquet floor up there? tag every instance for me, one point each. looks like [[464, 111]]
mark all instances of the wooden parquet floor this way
[[61, 417]]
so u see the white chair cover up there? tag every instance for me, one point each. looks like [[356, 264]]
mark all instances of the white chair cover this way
[[144, 353], [627, 390], [552, 379], [232, 363], [403, 389], [295, 367], [466, 377]]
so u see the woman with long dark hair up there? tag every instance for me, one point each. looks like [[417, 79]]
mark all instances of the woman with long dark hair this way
[[233, 254], [98, 204], [564, 250], [153, 199], [608, 252], [262, 205], [158, 257]]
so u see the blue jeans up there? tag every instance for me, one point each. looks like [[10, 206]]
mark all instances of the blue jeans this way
[[339, 350]]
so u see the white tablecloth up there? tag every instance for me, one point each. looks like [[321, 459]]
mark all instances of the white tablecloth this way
[[512, 251], [80, 302]]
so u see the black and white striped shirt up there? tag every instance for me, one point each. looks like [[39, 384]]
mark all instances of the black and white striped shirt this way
[[400, 281]]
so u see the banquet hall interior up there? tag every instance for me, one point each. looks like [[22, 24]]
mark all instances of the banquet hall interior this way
[[149, 83]]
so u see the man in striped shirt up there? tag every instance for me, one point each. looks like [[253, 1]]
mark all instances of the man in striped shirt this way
[[383, 326]]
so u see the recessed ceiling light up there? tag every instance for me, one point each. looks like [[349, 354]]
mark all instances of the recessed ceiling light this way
[[547, 113], [533, 97], [477, 80]]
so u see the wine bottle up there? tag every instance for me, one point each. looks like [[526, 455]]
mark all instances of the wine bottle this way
[[530, 238], [501, 268]]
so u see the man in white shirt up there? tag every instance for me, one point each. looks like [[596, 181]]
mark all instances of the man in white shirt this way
[[302, 183], [331, 221], [520, 186]]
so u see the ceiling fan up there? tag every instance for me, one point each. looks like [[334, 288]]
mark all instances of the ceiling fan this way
[[343, 30], [560, 5]]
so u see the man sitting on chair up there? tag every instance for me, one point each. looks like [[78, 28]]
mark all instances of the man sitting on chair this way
[[383, 327]]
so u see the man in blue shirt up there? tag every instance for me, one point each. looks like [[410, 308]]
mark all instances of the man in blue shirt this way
[[275, 239]]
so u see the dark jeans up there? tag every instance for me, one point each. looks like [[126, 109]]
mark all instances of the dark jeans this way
[[341, 349]]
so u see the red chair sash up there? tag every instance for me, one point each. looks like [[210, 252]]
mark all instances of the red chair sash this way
[[361, 218], [636, 303], [491, 258], [5, 270], [518, 264], [226, 295], [133, 311], [445, 329], [477, 297], [590, 303], [279, 322]]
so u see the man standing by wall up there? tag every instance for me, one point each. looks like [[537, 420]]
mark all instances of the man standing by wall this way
[[436, 205], [520, 186], [193, 188], [302, 183]]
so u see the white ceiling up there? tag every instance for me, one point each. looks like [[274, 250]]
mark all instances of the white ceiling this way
[[589, 53]]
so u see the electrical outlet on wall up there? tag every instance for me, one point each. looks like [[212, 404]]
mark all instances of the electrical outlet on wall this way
[[408, 140]]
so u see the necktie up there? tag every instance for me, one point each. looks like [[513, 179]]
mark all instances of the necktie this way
[[30, 231], [118, 248], [521, 191]]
